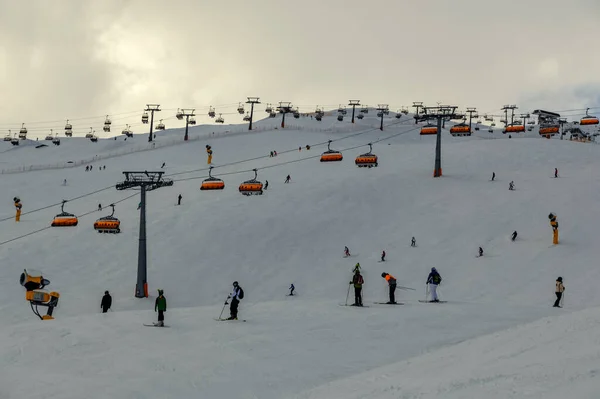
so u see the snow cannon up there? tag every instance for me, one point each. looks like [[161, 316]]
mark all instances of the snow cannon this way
[[34, 283]]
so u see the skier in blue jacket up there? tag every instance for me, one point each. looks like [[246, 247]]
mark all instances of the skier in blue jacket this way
[[434, 279]]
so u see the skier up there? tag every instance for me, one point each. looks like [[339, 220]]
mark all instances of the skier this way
[[560, 288], [392, 284], [346, 252], [555, 172], [266, 184], [161, 305], [514, 235], [106, 302], [287, 179], [235, 296], [292, 288], [99, 207], [179, 199], [433, 280], [275, 153], [307, 147], [356, 268], [65, 182], [480, 252], [271, 154], [358, 281], [299, 149], [139, 205], [383, 256], [87, 168], [413, 242], [493, 176], [163, 165], [18, 206], [511, 186]]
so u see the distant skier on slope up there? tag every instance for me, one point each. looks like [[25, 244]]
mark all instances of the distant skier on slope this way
[[99, 207], [266, 184], [292, 288], [236, 295], [560, 288], [413, 242], [383, 256], [287, 179], [514, 235], [493, 176], [555, 172], [179, 199], [106, 302], [511, 186], [161, 305], [392, 286], [358, 282], [480, 252], [433, 280], [356, 268], [346, 252]]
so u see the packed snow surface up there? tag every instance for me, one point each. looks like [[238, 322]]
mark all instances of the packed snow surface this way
[[296, 233]]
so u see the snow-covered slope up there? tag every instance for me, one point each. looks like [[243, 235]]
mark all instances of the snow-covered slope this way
[[294, 233]]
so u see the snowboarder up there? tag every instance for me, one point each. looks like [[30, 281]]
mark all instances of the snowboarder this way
[[235, 296], [480, 252], [511, 186], [161, 305], [179, 199], [346, 252], [287, 179], [18, 206], [292, 288], [392, 285], [356, 268], [266, 184], [433, 280], [514, 235], [413, 242], [383, 256], [99, 207], [560, 288], [555, 172], [358, 281], [106, 302], [493, 176]]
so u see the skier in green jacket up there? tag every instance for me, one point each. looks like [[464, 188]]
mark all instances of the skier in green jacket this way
[[161, 305]]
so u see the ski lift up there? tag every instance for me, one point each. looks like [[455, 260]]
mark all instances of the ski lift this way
[[341, 109], [398, 114], [211, 112], [14, 140], [106, 128], [108, 224], [64, 219], [462, 129], [107, 123], [94, 139], [220, 119], [34, 282], [428, 129], [478, 121], [490, 130], [240, 109], [273, 114], [340, 117], [588, 119], [367, 160], [68, 129], [331, 155], [8, 137], [212, 183], [56, 140], [268, 109], [360, 116], [160, 126], [493, 124], [318, 117], [23, 132], [252, 187], [514, 128], [247, 117], [548, 130], [127, 132], [379, 114], [179, 114], [192, 120], [50, 136], [477, 128], [145, 118], [364, 110], [405, 110], [296, 114], [386, 112], [531, 123], [90, 134]]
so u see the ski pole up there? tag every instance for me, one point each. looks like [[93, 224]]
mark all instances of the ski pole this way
[[406, 288], [348, 294], [223, 307]]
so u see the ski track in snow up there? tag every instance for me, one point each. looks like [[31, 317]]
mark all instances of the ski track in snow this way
[[296, 234]]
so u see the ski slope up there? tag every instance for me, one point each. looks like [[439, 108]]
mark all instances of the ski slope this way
[[294, 233]]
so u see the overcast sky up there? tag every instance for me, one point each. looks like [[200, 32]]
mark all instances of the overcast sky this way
[[73, 59]]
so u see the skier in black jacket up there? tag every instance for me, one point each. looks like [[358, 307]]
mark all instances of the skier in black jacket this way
[[106, 302]]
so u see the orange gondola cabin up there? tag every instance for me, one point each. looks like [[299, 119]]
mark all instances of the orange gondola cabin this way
[[252, 187], [428, 129], [64, 219], [212, 183], [331, 155], [367, 160]]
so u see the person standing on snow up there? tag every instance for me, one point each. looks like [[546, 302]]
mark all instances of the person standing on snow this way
[[555, 172], [18, 207], [560, 288], [161, 305], [358, 281], [511, 186], [392, 285], [493, 176], [480, 252], [287, 179], [433, 280], [383, 256], [413, 242], [356, 268], [292, 288], [514, 235], [106, 302], [235, 296], [179, 199], [346, 251]]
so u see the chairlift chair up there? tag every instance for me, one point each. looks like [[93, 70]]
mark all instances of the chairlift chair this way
[[331, 155], [219, 119], [145, 118], [108, 224], [268, 109], [50, 136], [588, 119], [367, 160], [212, 183], [8, 137], [90, 134], [68, 129], [94, 139], [247, 117], [192, 121], [211, 112], [240, 109], [398, 114], [462, 129], [56, 140], [318, 117], [64, 219], [179, 114], [365, 110], [23, 132], [340, 117], [107, 123], [273, 114], [160, 126], [360, 116], [428, 129], [252, 187], [14, 140]]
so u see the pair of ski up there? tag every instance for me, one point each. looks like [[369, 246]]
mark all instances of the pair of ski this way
[[229, 320], [155, 325]]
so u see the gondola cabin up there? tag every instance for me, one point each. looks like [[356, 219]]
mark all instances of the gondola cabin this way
[[212, 183], [462, 129], [428, 129], [514, 129], [588, 119], [367, 160], [331, 155], [251, 187], [108, 224], [64, 219], [548, 130]]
